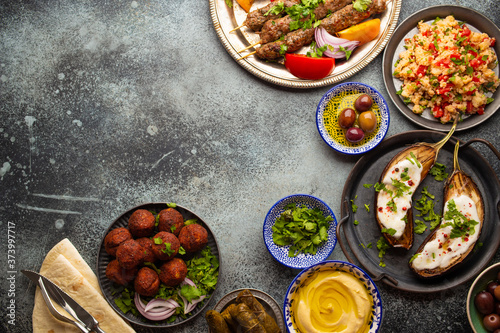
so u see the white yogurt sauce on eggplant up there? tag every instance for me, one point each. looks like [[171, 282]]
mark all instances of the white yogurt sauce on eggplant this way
[[442, 249], [392, 207]]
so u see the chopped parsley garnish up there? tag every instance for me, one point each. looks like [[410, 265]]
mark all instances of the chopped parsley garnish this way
[[461, 226], [361, 5], [382, 247], [389, 231], [420, 227], [367, 185], [303, 228], [276, 9], [438, 171], [353, 205], [367, 207]]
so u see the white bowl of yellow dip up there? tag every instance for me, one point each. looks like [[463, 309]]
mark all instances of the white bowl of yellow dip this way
[[333, 296]]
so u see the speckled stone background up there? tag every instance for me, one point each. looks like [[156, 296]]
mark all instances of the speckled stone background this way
[[105, 105]]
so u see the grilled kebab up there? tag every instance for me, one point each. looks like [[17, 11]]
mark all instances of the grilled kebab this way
[[338, 21]]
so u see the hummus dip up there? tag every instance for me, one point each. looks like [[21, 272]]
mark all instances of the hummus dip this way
[[332, 301]]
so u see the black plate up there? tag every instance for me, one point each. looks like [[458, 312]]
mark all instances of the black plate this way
[[476, 22], [103, 260], [397, 272]]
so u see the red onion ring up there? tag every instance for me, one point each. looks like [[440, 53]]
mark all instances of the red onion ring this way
[[322, 38], [154, 315]]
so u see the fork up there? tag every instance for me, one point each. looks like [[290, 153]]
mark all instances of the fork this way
[[56, 313]]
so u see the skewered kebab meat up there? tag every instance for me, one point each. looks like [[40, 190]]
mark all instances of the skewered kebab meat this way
[[338, 21], [256, 18], [274, 29]]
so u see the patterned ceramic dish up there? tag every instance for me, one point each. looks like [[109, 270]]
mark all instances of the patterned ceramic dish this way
[[332, 265], [343, 96], [280, 253], [479, 284], [270, 305]]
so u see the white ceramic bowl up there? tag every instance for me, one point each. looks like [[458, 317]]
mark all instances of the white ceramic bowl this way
[[280, 253], [340, 97], [479, 284], [333, 265]]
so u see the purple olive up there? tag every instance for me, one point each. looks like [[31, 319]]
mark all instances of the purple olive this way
[[491, 287], [354, 134], [484, 302], [363, 103], [496, 308], [491, 322]]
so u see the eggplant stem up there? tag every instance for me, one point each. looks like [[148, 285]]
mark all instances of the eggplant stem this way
[[456, 166], [440, 144]]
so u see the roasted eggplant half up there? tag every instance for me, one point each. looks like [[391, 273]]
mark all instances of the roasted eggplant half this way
[[463, 216], [396, 186]]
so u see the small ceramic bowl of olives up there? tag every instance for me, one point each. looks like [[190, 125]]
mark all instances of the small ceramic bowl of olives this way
[[483, 301], [352, 118]]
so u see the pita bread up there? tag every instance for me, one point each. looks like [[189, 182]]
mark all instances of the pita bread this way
[[62, 270]]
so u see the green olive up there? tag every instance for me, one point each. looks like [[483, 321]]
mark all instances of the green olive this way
[[367, 121]]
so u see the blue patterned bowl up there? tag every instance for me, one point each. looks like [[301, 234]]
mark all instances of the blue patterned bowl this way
[[280, 253], [343, 96], [333, 265]]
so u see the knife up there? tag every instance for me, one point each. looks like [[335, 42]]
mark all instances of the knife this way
[[64, 300]]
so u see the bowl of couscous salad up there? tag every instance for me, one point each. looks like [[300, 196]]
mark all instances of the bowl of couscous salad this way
[[442, 63]]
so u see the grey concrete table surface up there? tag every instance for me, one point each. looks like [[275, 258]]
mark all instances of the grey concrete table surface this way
[[105, 105]]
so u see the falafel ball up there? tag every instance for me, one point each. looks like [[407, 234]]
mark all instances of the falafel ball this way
[[193, 237], [173, 272], [165, 245], [147, 245], [130, 254], [141, 223], [118, 274], [170, 220], [147, 282], [114, 238]]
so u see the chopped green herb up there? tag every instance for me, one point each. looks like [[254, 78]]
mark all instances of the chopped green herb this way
[[382, 247], [361, 5], [303, 228], [367, 207], [389, 231]]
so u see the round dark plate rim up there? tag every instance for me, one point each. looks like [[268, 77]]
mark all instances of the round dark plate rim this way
[[479, 21], [259, 294], [139, 320], [421, 286]]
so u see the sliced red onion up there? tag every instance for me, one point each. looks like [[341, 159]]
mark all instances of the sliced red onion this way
[[159, 304], [188, 307], [322, 38], [149, 314]]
